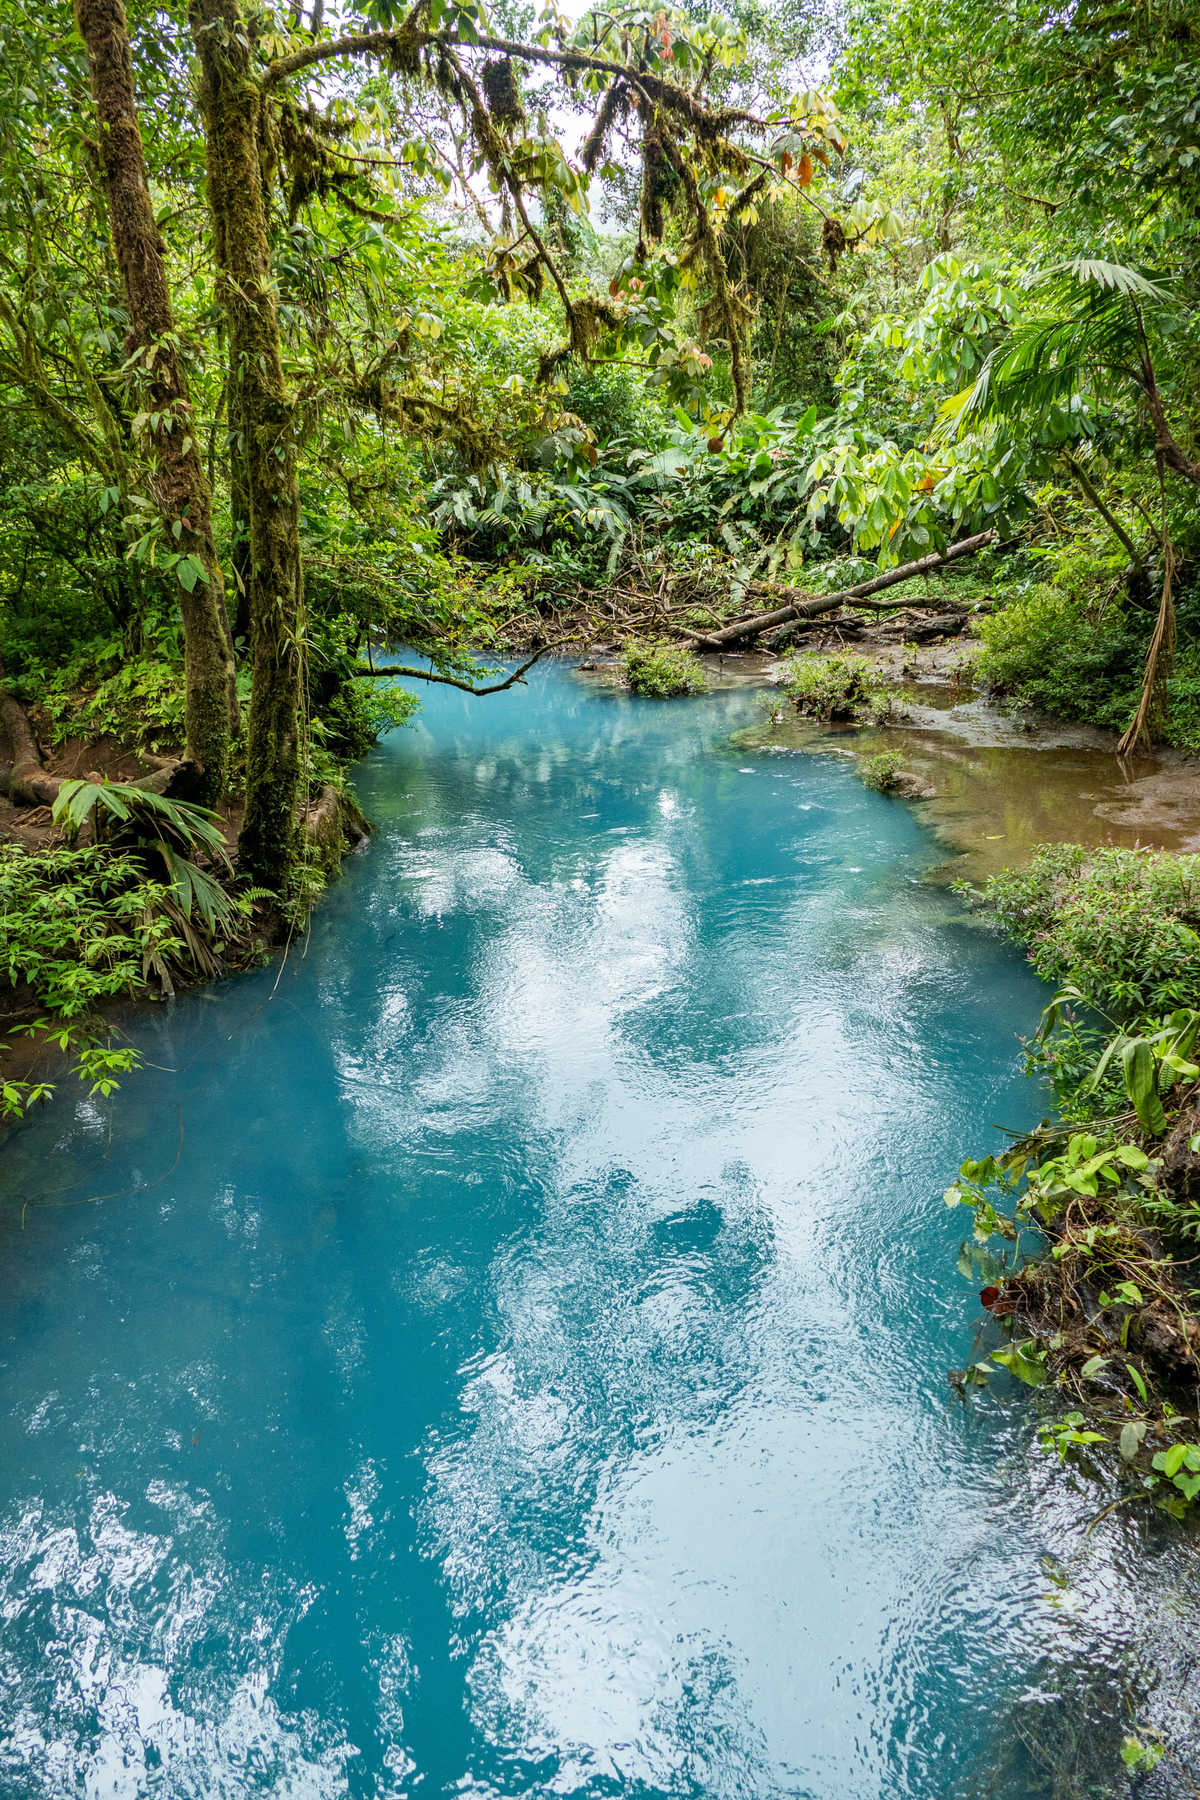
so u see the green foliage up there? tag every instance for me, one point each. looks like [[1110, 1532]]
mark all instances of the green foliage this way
[[1049, 650], [102, 691], [662, 671], [171, 828], [1120, 927], [881, 772], [360, 712], [1140, 1758], [1151, 1064], [836, 688], [79, 927]]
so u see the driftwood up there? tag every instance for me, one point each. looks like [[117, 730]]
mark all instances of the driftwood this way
[[807, 606]]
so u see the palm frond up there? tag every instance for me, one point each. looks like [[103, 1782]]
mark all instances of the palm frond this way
[[1117, 278]]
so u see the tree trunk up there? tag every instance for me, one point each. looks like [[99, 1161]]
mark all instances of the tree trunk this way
[[241, 563], [22, 776], [179, 484], [231, 101], [806, 606]]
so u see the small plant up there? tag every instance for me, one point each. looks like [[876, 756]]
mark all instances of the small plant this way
[[836, 688], [662, 671], [83, 925], [882, 773], [106, 692]]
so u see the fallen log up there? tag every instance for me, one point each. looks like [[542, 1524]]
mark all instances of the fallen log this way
[[809, 606]]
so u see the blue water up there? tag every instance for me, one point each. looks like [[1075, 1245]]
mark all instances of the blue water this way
[[502, 1352]]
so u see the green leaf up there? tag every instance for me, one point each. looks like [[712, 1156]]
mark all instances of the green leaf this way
[[1130, 1441], [1138, 1757], [1172, 1460], [1141, 1084], [1024, 1361]]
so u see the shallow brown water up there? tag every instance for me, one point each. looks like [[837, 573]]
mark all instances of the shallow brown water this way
[[1000, 786]]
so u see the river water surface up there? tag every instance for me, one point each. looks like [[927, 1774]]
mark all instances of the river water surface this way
[[503, 1353]]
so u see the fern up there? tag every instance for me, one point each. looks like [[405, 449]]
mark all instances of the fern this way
[[171, 828]]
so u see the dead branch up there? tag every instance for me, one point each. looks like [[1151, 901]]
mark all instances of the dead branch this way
[[808, 606]]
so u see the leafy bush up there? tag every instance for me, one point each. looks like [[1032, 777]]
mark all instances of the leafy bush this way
[[661, 671], [80, 926], [837, 687], [77, 928], [1052, 650], [107, 690], [172, 829], [1183, 705], [357, 714], [881, 773], [1122, 927]]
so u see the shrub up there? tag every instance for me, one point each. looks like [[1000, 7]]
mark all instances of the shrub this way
[[77, 928], [881, 773], [1182, 724], [1052, 650], [82, 926], [1120, 926], [661, 671], [837, 687], [104, 691]]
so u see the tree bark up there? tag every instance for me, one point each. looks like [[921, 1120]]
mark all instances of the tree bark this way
[[179, 484], [22, 776], [231, 101], [1167, 448], [813, 606], [241, 562]]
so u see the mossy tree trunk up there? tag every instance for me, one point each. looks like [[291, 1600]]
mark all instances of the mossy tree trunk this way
[[180, 488], [240, 561], [232, 103]]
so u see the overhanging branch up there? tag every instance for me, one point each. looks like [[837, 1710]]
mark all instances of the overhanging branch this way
[[453, 681]]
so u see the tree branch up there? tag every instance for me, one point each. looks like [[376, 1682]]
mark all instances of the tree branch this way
[[453, 681], [379, 43], [813, 606]]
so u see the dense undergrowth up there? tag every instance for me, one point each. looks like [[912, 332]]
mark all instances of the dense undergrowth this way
[[146, 906], [838, 689], [1097, 1216], [663, 671]]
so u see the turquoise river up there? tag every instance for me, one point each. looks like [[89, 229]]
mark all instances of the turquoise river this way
[[502, 1351]]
